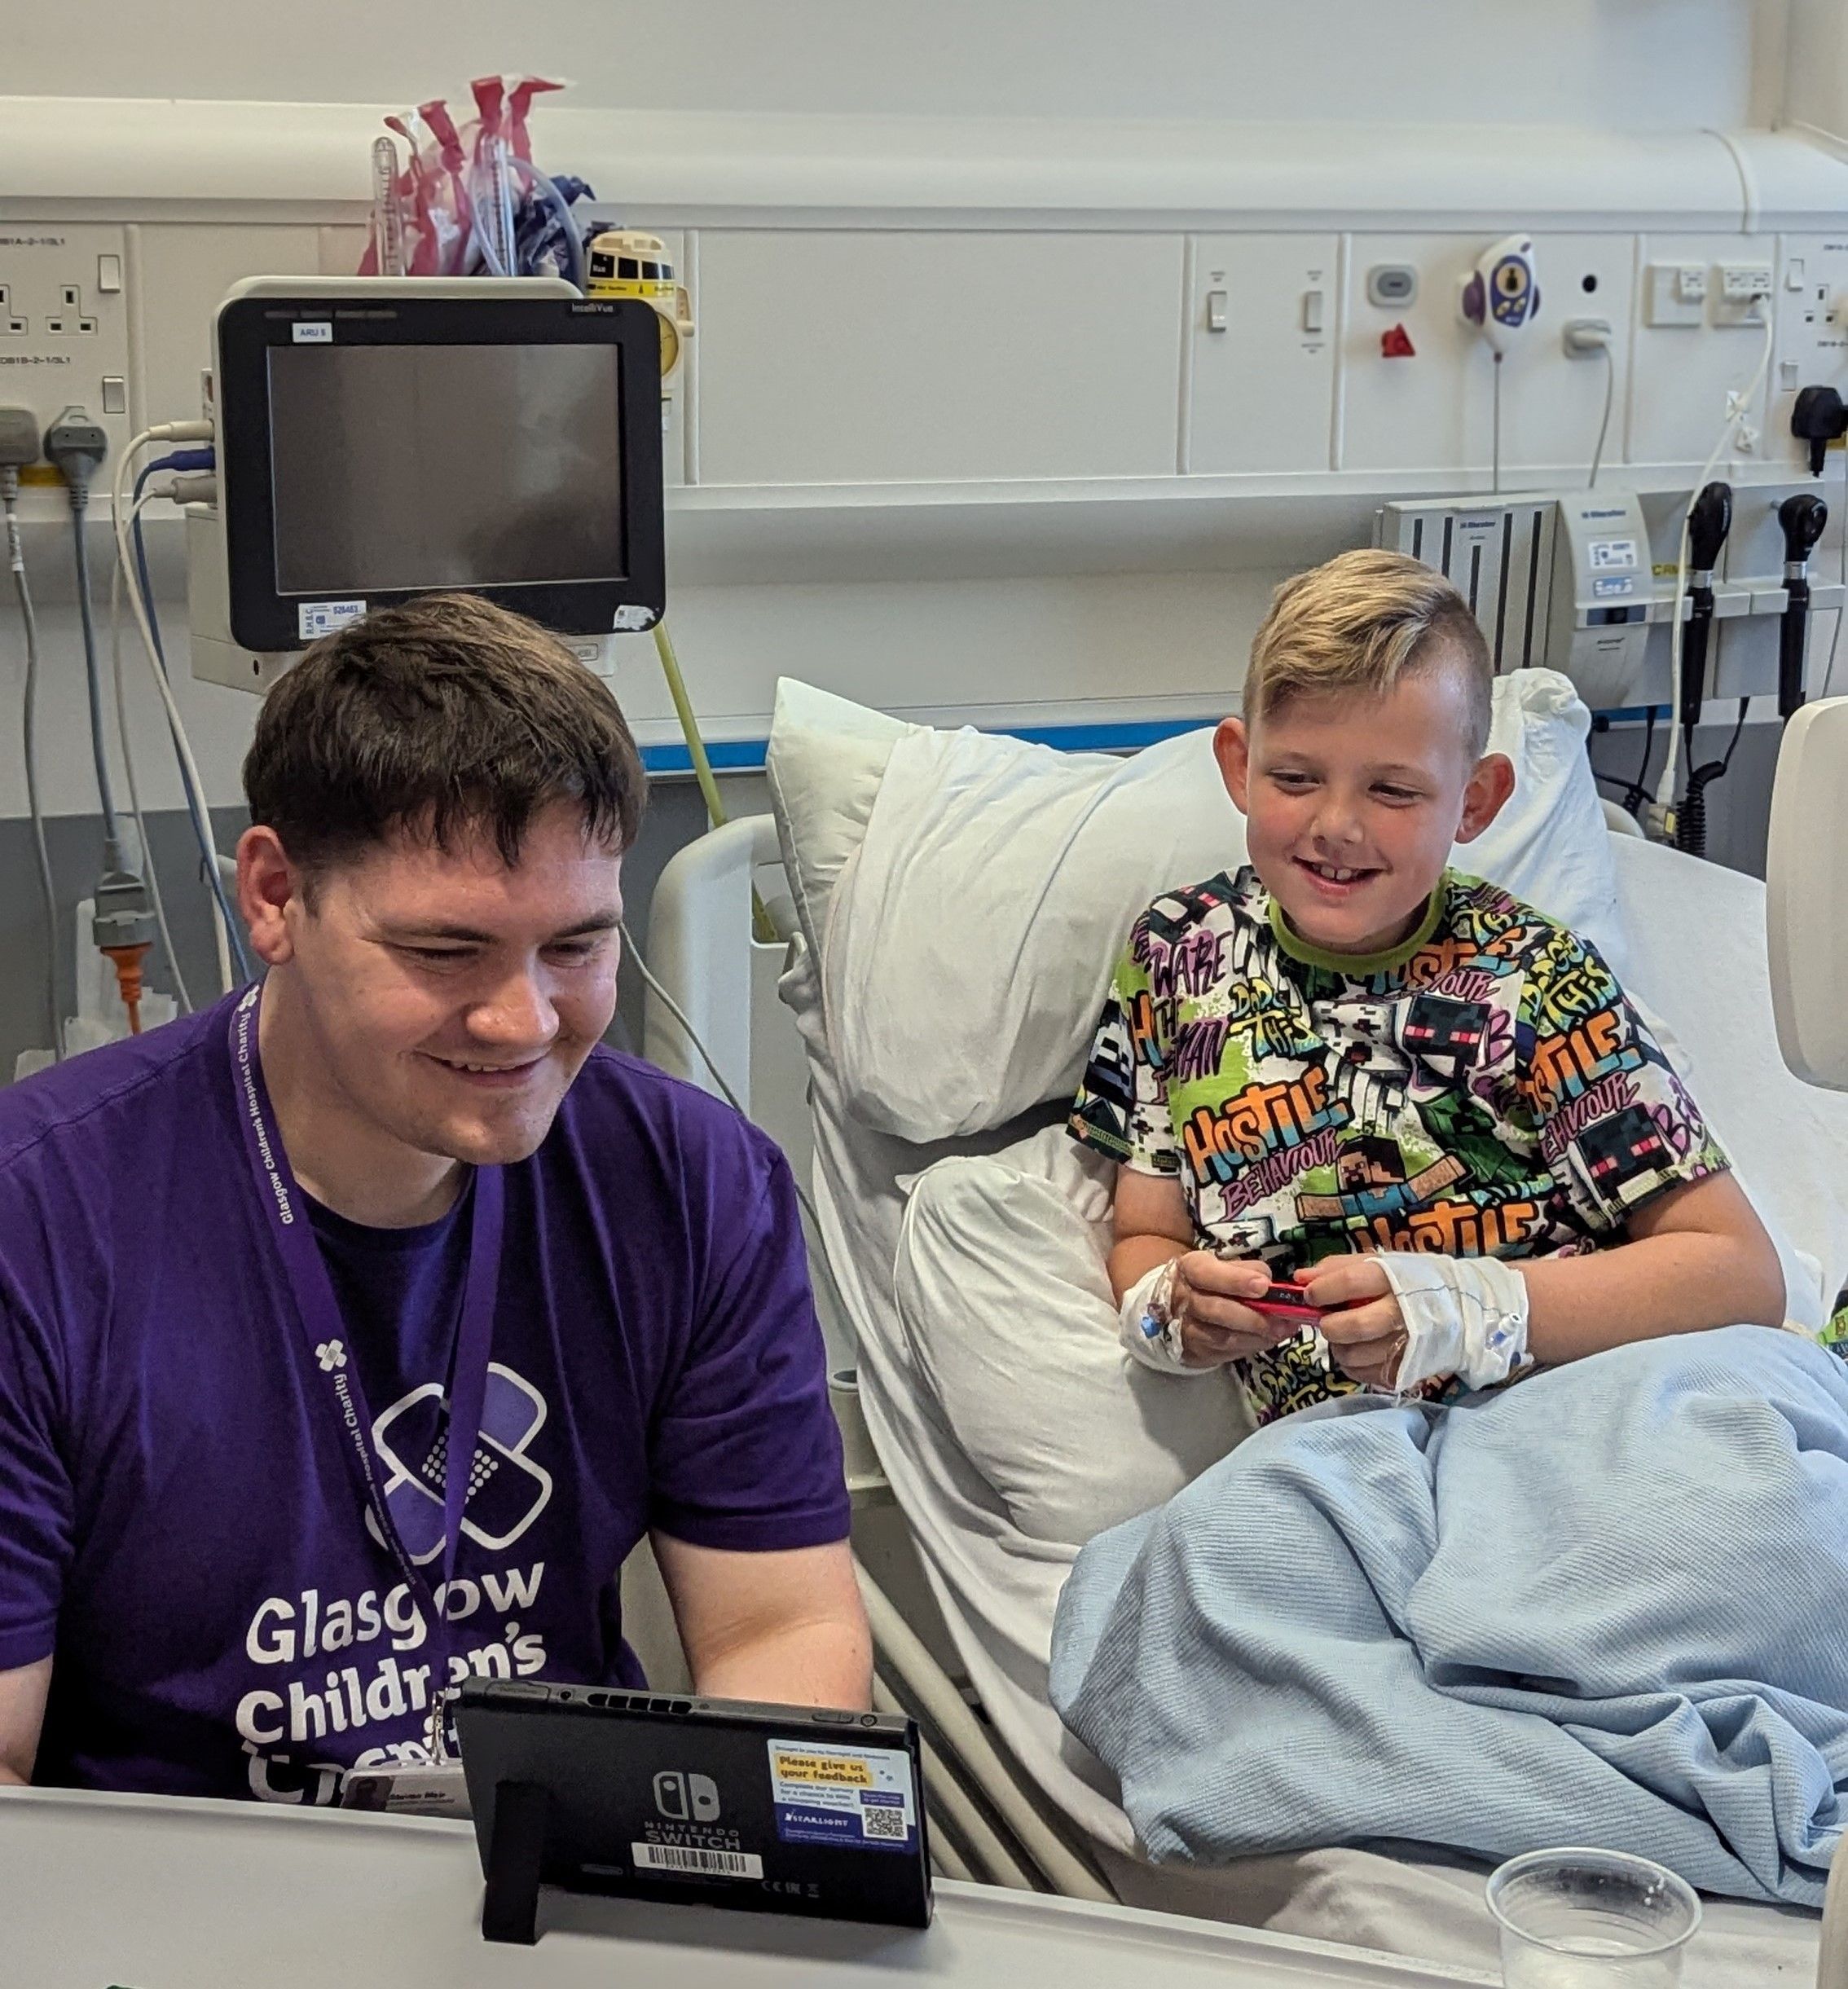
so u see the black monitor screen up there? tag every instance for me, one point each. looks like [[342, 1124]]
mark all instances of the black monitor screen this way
[[405, 467]]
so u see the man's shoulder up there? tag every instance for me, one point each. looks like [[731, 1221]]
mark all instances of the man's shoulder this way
[[111, 1101], [618, 1099]]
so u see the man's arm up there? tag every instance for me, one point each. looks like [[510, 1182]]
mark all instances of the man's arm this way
[[785, 1626], [1697, 1257], [22, 1714]]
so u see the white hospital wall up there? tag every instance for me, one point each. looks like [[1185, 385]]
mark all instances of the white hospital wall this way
[[1017, 162], [1635, 64]]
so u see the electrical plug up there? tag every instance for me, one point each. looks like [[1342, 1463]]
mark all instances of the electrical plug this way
[[19, 437], [76, 445]]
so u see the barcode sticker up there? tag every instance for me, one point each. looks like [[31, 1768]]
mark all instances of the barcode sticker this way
[[886, 1825], [702, 1863]]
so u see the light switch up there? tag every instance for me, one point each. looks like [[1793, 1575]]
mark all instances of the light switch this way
[[1216, 311], [1312, 310], [114, 394], [109, 275], [1794, 279]]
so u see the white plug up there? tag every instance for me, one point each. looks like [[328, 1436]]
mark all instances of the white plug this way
[[1583, 337]]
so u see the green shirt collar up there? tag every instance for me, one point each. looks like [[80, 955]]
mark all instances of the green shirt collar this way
[[1358, 966]]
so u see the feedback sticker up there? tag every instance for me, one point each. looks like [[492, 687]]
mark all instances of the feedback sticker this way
[[859, 1798]]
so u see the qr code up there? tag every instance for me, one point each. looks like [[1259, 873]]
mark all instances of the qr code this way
[[876, 1821]]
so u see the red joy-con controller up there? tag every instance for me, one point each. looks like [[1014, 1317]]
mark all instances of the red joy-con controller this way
[[1286, 1299]]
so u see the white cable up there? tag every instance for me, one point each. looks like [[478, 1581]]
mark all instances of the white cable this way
[[16, 559], [1738, 406], [1603, 425], [693, 1036], [149, 867], [1496, 471], [221, 942], [183, 745]]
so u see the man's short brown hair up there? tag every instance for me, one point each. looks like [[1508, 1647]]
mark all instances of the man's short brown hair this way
[[1361, 622], [443, 718]]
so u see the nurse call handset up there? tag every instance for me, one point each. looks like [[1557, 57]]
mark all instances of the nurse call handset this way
[[1501, 295]]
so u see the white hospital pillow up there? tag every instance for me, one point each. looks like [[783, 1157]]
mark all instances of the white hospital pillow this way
[[1004, 1299], [968, 941], [826, 760]]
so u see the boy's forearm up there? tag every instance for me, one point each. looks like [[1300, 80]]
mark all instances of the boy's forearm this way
[[1676, 1282], [1135, 1256]]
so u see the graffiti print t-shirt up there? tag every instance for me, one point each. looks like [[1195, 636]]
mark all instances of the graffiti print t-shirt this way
[[179, 1529], [1486, 1089]]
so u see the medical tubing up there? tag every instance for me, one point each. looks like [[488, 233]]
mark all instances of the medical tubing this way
[[152, 869], [181, 460], [548, 191], [178, 460], [950, 1801], [1671, 763], [142, 610], [16, 556], [1604, 424], [92, 668], [763, 927], [231, 928], [903, 1654]]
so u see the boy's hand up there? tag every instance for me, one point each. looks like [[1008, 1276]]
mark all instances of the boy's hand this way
[[1215, 1327], [1361, 1319]]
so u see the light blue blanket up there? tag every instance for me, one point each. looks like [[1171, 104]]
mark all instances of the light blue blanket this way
[[1608, 1606]]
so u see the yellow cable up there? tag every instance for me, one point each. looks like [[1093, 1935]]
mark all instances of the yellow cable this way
[[762, 927]]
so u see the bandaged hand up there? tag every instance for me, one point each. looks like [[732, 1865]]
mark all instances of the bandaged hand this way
[[1361, 1319], [1402, 1317], [1192, 1303]]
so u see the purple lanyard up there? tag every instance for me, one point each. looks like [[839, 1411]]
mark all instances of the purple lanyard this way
[[318, 1310]]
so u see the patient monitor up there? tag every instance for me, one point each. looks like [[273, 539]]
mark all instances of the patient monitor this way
[[381, 438]]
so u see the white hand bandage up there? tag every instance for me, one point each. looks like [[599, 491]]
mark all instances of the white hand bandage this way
[[1148, 1325], [1464, 1316]]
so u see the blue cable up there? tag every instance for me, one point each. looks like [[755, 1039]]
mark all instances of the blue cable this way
[[187, 459]]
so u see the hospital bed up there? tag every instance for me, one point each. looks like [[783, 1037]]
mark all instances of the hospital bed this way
[[951, 903]]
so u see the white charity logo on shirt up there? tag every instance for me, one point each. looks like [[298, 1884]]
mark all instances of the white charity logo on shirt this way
[[330, 1354], [508, 1490]]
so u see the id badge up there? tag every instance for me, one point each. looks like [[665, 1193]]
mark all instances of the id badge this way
[[436, 1790]]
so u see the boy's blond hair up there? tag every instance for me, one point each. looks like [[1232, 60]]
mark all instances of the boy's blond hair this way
[[1361, 622]]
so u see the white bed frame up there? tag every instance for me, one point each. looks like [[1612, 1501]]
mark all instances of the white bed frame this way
[[988, 1818]]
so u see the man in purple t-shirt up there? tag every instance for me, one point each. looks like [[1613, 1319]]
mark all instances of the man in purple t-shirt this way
[[249, 1262]]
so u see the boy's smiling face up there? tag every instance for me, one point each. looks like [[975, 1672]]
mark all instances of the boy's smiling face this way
[[1351, 802]]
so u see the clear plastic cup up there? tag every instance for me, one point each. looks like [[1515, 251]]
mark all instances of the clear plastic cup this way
[[1577, 1919]]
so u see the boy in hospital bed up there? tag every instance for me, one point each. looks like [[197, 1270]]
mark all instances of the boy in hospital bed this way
[[1347, 1069]]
